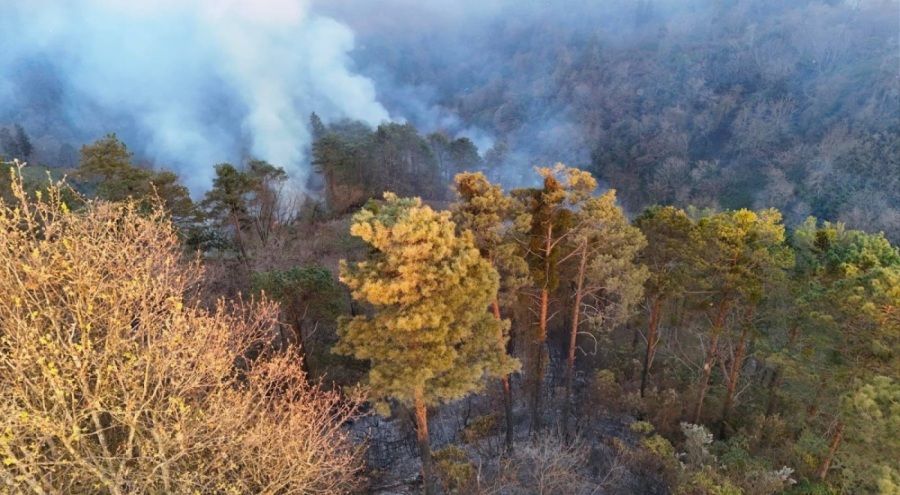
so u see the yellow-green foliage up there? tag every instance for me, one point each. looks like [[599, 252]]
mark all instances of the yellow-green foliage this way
[[431, 332], [658, 446], [113, 380], [706, 482], [454, 469], [479, 428]]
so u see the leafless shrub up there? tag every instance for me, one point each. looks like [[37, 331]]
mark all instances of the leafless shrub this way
[[114, 380]]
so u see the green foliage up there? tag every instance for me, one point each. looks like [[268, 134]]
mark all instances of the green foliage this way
[[672, 253], [495, 222], [106, 164], [706, 482], [479, 428], [359, 163], [454, 156], [430, 333], [612, 282], [312, 290], [228, 193], [551, 209], [745, 250], [456, 472], [309, 298], [851, 283], [249, 199], [106, 158]]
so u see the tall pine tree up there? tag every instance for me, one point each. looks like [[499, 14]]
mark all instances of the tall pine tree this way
[[431, 337]]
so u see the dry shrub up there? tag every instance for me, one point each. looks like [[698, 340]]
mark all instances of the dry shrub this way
[[547, 466], [113, 380]]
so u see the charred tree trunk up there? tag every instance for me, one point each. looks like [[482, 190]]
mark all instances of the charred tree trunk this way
[[297, 328], [536, 407], [240, 237]]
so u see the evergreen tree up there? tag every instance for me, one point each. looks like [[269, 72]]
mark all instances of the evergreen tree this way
[[23, 142], [850, 352], [431, 337], [672, 256], [309, 297], [105, 158], [550, 209], [743, 252], [607, 282], [493, 220], [227, 200]]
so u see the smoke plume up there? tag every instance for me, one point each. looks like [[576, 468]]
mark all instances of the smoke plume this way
[[197, 81]]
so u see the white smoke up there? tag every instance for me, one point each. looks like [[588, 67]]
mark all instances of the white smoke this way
[[193, 74]]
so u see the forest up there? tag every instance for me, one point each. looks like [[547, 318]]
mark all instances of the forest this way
[[639, 248]]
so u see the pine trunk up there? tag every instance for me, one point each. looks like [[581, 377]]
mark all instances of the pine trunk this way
[[832, 449], [507, 392], [734, 374], [651, 341], [240, 237], [424, 445], [536, 409], [573, 337], [711, 356]]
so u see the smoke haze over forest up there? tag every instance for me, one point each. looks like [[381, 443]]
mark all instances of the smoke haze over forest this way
[[720, 103]]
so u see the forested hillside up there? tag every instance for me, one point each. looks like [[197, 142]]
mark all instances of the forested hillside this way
[[490, 248], [684, 351], [734, 104]]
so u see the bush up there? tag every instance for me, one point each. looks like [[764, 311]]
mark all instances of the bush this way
[[113, 380]]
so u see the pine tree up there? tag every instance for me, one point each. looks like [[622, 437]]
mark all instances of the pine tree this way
[[24, 142], [672, 255], [744, 251], [551, 215], [492, 217], [431, 337], [105, 158], [852, 282], [607, 281]]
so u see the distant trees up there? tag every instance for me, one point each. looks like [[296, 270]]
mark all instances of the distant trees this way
[[792, 100], [431, 337], [251, 199], [358, 163], [454, 155], [107, 165], [15, 143], [113, 379]]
